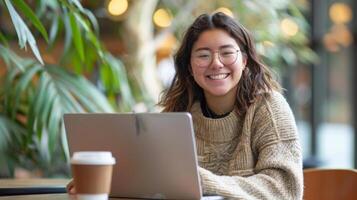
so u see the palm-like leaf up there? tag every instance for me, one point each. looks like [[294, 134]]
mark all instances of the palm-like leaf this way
[[23, 32], [3, 39], [78, 43], [10, 132], [43, 95], [22, 6], [115, 80]]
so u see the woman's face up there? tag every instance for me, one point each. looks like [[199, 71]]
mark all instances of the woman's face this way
[[217, 63]]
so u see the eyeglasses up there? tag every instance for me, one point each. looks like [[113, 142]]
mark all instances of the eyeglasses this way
[[227, 56]]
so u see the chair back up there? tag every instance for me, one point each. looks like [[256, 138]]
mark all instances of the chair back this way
[[330, 184]]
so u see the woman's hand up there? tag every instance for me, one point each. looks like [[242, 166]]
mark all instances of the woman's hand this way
[[206, 176], [70, 188]]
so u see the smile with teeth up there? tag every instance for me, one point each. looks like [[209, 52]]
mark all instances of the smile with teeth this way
[[218, 76]]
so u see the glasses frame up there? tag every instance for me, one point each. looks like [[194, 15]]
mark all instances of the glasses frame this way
[[219, 57]]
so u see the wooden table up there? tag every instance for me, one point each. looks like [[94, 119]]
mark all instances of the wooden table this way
[[47, 197], [19, 183], [13, 183], [37, 197], [23, 183]]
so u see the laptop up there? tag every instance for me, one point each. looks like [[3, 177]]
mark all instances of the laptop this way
[[155, 152]]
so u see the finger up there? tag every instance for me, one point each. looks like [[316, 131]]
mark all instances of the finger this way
[[69, 187], [72, 190], [69, 184]]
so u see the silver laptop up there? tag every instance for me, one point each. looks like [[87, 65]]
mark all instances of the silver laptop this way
[[155, 152]]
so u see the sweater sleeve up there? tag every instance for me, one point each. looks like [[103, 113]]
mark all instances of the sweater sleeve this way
[[278, 169]]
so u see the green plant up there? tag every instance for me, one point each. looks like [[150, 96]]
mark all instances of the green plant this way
[[34, 95]]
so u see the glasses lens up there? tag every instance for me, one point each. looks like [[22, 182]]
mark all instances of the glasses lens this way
[[202, 58], [228, 55]]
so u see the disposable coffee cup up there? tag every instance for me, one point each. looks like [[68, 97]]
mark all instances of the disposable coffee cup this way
[[92, 174]]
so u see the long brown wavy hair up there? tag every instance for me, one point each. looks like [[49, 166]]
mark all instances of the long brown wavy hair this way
[[256, 78]]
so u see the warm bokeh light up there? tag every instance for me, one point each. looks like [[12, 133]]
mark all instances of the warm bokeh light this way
[[342, 34], [289, 27], [268, 43], [166, 47], [225, 10], [330, 43], [117, 7], [162, 18], [340, 13]]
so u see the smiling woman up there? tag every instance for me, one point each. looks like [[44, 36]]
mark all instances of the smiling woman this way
[[217, 76], [246, 135]]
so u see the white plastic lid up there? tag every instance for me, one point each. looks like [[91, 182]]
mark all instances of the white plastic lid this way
[[93, 158]]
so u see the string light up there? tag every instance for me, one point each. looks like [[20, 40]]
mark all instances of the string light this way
[[330, 43], [117, 7], [162, 18], [289, 27], [342, 35], [268, 43], [340, 13]]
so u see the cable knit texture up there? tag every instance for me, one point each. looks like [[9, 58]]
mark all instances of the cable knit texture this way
[[257, 156]]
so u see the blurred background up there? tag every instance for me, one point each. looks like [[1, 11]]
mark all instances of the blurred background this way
[[67, 56]]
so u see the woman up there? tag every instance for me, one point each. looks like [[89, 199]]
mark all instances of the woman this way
[[246, 136]]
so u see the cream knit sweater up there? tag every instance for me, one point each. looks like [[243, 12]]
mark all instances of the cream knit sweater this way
[[256, 156]]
